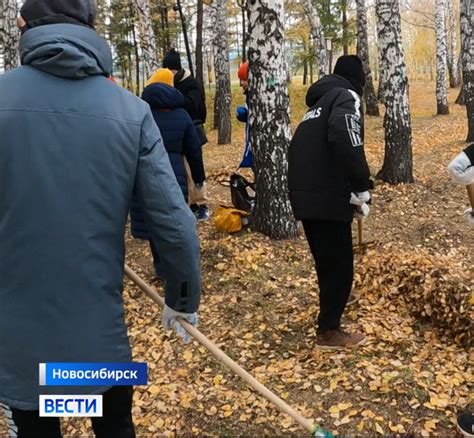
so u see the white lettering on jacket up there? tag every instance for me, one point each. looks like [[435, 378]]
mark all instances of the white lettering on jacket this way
[[313, 114]]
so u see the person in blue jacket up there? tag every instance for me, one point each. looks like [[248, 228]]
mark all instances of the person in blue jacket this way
[[74, 149], [243, 116], [180, 140]]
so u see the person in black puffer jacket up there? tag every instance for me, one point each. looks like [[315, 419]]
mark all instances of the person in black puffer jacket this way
[[329, 181], [180, 141], [195, 105]]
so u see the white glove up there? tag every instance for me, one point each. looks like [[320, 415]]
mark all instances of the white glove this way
[[170, 320], [362, 212], [360, 198], [470, 217], [462, 170]]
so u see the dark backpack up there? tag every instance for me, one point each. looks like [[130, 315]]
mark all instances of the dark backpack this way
[[241, 198]]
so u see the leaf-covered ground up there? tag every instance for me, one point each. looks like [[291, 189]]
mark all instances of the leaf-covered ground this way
[[260, 301]]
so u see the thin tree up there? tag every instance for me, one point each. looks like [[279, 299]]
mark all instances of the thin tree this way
[[221, 66], [269, 117], [441, 58], [345, 33], [317, 34], [199, 56], [454, 79], [467, 50], [363, 52], [147, 37], [10, 33], [398, 160]]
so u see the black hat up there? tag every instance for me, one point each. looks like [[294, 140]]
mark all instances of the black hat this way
[[41, 12], [351, 68], [172, 60]]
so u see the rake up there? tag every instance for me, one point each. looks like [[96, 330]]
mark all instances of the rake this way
[[315, 430]]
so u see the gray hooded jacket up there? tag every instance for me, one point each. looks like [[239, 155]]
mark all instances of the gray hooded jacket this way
[[74, 148]]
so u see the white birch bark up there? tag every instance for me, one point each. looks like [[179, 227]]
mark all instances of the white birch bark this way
[[363, 52], [454, 79], [147, 37], [318, 37], [467, 52], [269, 119], [398, 160], [221, 66], [10, 33], [441, 58]]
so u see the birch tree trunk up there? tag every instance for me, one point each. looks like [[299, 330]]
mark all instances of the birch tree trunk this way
[[398, 160], [467, 50], [441, 59], [10, 33], [147, 37], [199, 57], [269, 118], [221, 66], [318, 37], [454, 79], [363, 52]]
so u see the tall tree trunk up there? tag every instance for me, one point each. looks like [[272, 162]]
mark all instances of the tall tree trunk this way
[[398, 161], [164, 28], [137, 62], [305, 71], [221, 65], [11, 34], [318, 37], [243, 5], [441, 59], [269, 117], [363, 52], [460, 98], [199, 57], [147, 37], [345, 35], [454, 79], [467, 50]]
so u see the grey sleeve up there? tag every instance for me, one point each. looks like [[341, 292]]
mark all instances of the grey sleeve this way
[[169, 220]]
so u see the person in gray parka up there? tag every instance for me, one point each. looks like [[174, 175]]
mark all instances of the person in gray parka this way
[[74, 149]]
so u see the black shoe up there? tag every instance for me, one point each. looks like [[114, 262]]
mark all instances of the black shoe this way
[[466, 424], [203, 213], [195, 209]]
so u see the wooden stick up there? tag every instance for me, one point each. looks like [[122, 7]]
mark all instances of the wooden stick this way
[[219, 354], [470, 193]]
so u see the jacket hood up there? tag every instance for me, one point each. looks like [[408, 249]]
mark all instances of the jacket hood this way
[[162, 96], [66, 50], [324, 85]]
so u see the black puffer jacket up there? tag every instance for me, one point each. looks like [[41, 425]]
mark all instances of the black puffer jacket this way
[[194, 101], [326, 156]]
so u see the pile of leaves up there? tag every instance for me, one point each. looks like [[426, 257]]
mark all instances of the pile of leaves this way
[[434, 287]]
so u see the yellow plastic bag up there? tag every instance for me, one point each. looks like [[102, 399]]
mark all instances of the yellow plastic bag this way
[[229, 220]]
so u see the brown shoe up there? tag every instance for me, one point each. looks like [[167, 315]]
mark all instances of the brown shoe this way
[[353, 298], [334, 339]]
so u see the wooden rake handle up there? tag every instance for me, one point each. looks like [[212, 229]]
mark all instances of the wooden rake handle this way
[[219, 354], [470, 193]]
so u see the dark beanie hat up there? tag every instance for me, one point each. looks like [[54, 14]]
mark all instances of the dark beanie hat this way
[[351, 68], [172, 60], [41, 12]]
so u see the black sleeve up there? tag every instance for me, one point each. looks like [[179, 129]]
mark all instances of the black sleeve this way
[[193, 152], [346, 136], [469, 151]]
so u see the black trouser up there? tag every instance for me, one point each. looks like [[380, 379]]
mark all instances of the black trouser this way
[[116, 422], [331, 245], [156, 259]]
